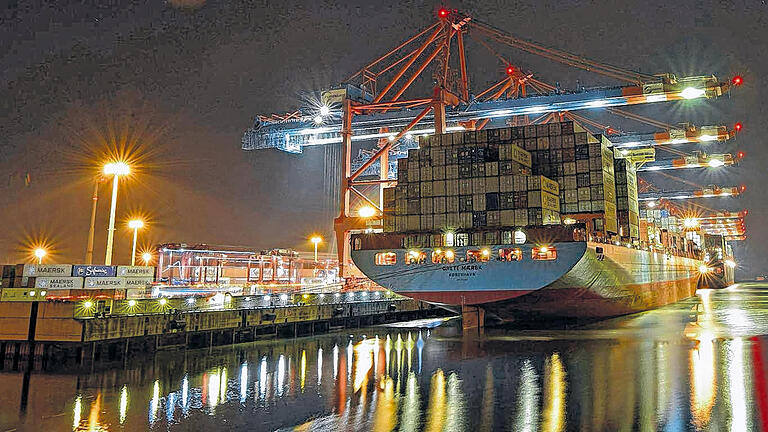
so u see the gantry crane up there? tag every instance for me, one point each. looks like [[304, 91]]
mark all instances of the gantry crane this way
[[362, 110]]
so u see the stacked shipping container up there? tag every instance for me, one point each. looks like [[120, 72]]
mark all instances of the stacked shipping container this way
[[626, 198], [471, 179], [583, 166], [505, 177]]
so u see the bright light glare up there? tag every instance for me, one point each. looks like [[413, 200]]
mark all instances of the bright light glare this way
[[87, 304], [131, 303], [714, 163], [146, 257], [703, 269], [449, 254], [324, 110], [597, 104], [706, 138], [544, 249], [163, 301], [730, 263], [690, 223], [40, 253], [316, 239], [284, 297], [318, 120], [366, 212], [190, 301], [651, 204], [692, 93], [136, 224], [117, 168]]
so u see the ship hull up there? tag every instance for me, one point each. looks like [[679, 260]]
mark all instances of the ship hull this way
[[580, 283]]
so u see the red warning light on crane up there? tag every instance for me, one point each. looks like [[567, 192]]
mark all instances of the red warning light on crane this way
[[737, 80], [510, 70], [442, 13], [740, 155], [742, 188], [737, 127]]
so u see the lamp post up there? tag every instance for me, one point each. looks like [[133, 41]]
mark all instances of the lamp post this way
[[92, 228], [40, 253], [316, 240], [115, 169], [135, 225]]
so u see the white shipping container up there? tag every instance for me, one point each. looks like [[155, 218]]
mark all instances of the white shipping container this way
[[438, 205], [136, 271], [493, 218], [582, 166], [451, 171], [137, 282], [478, 202], [491, 169], [507, 218], [35, 270], [478, 185], [465, 186], [521, 217], [426, 206], [465, 220], [104, 282], [569, 168], [412, 223], [491, 184], [438, 188], [426, 189], [438, 221], [48, 282], [452, 204], [452, 187], [438, 172]]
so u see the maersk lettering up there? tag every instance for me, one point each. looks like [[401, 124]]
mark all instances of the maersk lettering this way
[[462, 267]]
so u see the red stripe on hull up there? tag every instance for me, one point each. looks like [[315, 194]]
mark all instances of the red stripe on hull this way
[[464, 297]]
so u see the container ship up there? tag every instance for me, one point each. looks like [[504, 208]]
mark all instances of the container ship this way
[[538, 220]]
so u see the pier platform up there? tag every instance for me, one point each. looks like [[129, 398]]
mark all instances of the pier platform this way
[[73, 331]]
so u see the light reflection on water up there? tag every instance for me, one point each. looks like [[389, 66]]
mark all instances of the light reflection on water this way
[[680, 368]]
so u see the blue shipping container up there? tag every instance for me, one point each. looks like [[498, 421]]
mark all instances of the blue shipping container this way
[[94, 271]]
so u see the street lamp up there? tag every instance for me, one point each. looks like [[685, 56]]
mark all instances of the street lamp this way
[[146, 257], [40, 253], [135, 225], [316, 240], [115, 169]]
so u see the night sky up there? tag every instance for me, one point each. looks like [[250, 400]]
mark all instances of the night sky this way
[[174, 84]]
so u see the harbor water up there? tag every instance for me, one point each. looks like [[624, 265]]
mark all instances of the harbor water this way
[[699, 364]]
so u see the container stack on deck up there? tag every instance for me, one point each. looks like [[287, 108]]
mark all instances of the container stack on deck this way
[[466, 180], [510, 177], [626, 198]]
